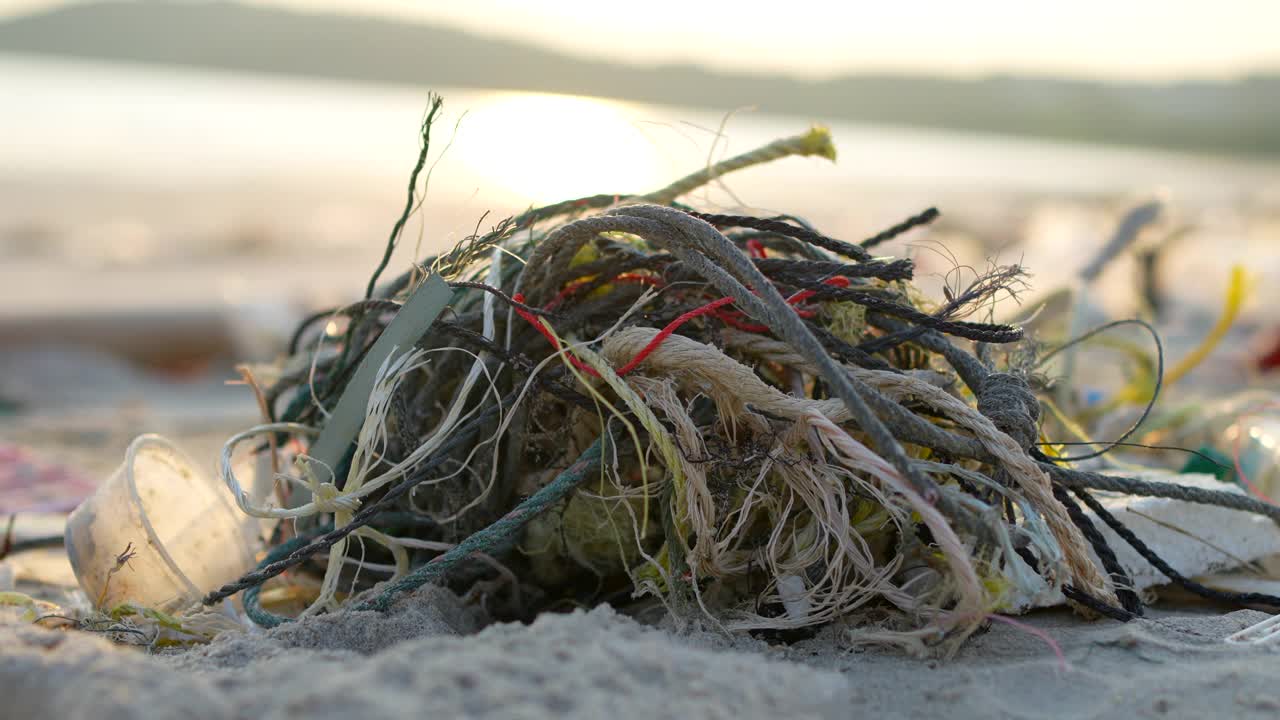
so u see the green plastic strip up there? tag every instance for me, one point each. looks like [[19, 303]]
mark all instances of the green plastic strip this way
[[406, 329]]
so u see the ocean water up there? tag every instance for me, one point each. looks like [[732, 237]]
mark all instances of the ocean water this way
[[149, 126], [197, 182]]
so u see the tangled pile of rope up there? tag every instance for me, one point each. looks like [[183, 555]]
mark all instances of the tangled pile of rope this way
[[740, 417]]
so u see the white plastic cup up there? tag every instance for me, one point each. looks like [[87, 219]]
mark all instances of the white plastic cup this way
[[187, 535]]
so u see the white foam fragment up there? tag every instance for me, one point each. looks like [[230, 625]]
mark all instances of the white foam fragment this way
[[794, 601], [1196, 540]]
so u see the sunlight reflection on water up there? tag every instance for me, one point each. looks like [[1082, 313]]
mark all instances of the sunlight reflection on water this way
[[545, 148], [126, 166]]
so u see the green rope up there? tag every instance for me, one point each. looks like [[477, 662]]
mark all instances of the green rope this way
[[494, 536], [486, 540], [435, 102], [252, 606]]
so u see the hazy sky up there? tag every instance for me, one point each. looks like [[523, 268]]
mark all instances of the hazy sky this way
[[1097, 38]]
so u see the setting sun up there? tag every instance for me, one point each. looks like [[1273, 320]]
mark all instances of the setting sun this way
[[545, 148]]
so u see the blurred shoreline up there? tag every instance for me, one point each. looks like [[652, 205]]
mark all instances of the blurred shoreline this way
[[1230, 117]]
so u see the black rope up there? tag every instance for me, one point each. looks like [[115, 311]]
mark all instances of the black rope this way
[[520, 363], [611, 267], [885, 343], [1129, 599], [847, 352], [1093, 603], [778, 243], [923, 218], [1079, 596], [840, 247], [984, 332], [802, 272]]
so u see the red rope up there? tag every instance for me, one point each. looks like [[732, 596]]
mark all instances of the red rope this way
[[551, 338], [564, 293], [671, 328], [755, 249], [647, 350], [731, 318]]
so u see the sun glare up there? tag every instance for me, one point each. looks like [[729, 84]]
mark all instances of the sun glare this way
[[545, 148]]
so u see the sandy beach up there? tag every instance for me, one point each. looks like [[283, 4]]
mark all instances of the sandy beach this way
[[426, 659], [433, 656]]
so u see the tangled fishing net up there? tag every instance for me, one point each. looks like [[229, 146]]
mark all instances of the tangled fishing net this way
[[739, 418]]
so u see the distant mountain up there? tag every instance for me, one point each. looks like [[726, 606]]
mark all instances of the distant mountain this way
[[1240, 117]]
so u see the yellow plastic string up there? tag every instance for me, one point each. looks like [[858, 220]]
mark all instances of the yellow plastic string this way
[[1141, 386], [1237, 290]]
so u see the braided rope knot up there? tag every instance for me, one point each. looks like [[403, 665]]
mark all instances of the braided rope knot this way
[[1006, 399]]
